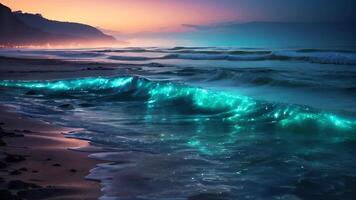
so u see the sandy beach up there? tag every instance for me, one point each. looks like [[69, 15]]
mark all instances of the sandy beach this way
[[36, 162]]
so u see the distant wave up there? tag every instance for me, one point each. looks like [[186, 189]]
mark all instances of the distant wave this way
[[342, 82], [259, 78], [185, 50], [325, 50], [196, 56], [132, 58], [121, 50], [322, 57], [79, 54]]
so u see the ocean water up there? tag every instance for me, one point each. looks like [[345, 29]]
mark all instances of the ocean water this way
[[205, 123]]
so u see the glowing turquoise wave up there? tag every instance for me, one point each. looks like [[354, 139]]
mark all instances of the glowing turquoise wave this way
[[240, 110], [97, 83]]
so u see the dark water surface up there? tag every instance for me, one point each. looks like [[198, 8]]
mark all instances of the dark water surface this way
[[207, 123]]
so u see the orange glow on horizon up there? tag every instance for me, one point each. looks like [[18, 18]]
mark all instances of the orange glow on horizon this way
[[127, 16]]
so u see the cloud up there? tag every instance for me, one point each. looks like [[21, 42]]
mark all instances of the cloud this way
[[197, 27], [233, 26], [218, 26]]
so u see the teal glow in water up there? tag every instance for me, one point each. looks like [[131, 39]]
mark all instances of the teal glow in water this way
[[237, 109], [97, 83]]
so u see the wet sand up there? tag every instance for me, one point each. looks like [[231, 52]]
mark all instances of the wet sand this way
[[36, 161]]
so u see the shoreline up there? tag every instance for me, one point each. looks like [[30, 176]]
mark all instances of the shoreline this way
[[36, 161]]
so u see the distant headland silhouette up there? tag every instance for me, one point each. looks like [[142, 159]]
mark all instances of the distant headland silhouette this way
[[24, 29]]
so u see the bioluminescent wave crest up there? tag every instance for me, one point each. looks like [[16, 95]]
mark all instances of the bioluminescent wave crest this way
[[239, 110], [85, 84]]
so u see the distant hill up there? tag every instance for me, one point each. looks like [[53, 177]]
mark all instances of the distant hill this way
[[22, 29], [63, 28], [15, 32]]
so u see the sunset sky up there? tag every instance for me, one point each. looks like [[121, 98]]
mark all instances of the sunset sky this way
[[132, 16]]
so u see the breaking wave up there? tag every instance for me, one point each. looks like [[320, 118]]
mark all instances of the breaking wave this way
[[228, 108]]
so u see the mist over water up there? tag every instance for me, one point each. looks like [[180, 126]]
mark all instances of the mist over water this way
[[272, 35], [207, 122]]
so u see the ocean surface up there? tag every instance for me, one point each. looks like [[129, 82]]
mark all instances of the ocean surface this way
[[201, 123]]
